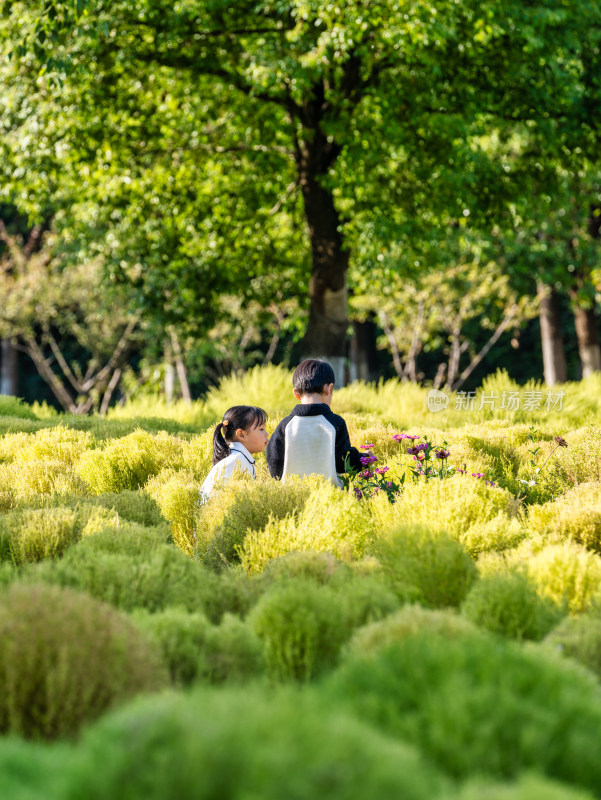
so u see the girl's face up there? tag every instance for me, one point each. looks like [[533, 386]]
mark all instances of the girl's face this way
[[254, 439]]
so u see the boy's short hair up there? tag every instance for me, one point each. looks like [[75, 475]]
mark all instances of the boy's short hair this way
[[312, 375]]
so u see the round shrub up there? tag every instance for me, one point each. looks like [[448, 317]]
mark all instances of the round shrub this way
[[32, 770], [346, 530], [320, 567], [425, 566], [527, 787], [33, 535], [478, 704], [579, 638], [576, 516], [65, 659], [456, 504], [302, 628], [177, 495], [133, 506], [366, 599], [58, 443], [229, 592], [567, 573], [127, 463], [180, 636], [408, 621], [240, 744], [232, 652], [166, 578], [497, 535], [508, 604], [25, 479], [241, 506], [126, 539]]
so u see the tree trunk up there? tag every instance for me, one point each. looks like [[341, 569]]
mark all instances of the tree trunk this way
[[326, 334], [554, 362], [588, 340], [363, 351], [9, 374]]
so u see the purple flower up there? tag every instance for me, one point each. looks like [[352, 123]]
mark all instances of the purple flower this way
[[442, 454], [477, 474], [382, 470], [389, 484], [411, 451], [358, 493], [367, 446], [370, 459], [460, 471], [490, 483], [365, 474], [400, 436], [422, 446]]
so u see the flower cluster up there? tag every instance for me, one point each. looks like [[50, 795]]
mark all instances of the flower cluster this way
[[370, 480], [430, 461]]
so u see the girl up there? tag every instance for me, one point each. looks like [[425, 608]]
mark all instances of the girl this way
[[241, 434]]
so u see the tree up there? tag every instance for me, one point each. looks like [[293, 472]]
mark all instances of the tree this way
[[304, 110]]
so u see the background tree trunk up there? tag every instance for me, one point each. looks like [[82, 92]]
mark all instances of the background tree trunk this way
[[588, 340], [554, 362], [9, 368]]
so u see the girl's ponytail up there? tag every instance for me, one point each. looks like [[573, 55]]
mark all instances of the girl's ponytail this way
[[235, 417], [221, 448]]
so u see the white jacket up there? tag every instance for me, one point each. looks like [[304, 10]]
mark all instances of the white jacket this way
[[239, 457]]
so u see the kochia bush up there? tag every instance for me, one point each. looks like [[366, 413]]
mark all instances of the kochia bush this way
[[65, 659]]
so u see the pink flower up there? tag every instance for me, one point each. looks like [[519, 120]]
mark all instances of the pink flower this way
[[382, 470], [365, 474], [367, 446]]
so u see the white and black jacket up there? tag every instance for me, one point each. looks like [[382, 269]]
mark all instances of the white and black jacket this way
[[311, 440]]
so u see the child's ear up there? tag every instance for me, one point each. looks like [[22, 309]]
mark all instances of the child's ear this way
[[296, 394], [240, 434]]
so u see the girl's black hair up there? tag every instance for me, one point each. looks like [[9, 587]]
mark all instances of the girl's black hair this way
[[244, 417], [312, 375]]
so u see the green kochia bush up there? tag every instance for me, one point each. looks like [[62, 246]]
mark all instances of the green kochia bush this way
[[478, 704], [508, 604], [129, 462], [567, 573], [425, 566], [194, 649], [177, 495], [65, 659], [579, 638], [528, 787], [302, 626], [241, 744], [33, 535], [241, 506]]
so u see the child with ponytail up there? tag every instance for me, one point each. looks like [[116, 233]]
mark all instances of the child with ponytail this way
[[241, 433]]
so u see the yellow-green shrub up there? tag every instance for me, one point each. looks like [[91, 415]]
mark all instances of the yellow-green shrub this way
[[127, 463], [509, 605], [330, 521], [528, 787], [455, 505], [576, 516], [65, 659], [580, 461], [580, 639], [177, 494], [497, 535], [241, 506], [26, 479], [302, 628], [425, 565], [34, 535], [127, 538], [318, 566], [409, 620], [567, 573], [197, 454], [57, 444]]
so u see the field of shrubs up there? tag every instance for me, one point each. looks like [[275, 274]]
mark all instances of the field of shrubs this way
[[431, 632]]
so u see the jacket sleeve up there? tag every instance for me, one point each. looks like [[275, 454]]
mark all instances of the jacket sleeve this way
[[343, 446], [276, 448]]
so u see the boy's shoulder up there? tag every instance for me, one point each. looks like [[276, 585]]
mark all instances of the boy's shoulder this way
[[313, 410]]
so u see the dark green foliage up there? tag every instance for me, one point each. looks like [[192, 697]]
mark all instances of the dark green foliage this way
[[195, 650], [14, 407], [128, 539], [320, 567], [65, 659], [166, 578], [302, 626], [32, 770], [241, 744], [478, 704], [426, 566], [579, 638], [135, 506], [231, 591], [528, 787], [366, 600], [508, 604]]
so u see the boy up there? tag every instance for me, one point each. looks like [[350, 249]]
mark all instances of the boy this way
[[311, 439]]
